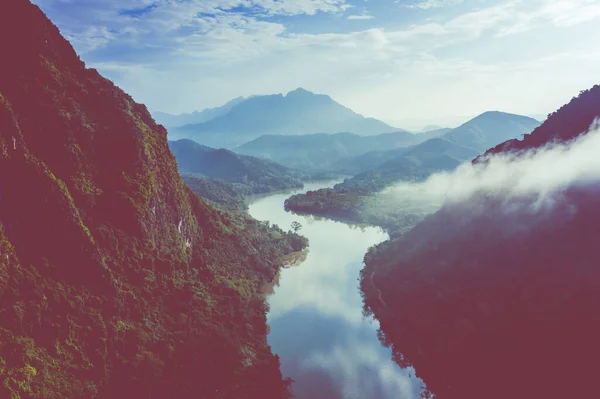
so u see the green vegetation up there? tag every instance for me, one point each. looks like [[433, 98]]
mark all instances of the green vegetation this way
[[359, 199], [116, 280], [352, 154], [218, 192], [325, 152], [296, 226], [489, 298], [248, 175]]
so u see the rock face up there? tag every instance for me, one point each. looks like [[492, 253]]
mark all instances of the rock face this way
[[488, 299], [115, 279]]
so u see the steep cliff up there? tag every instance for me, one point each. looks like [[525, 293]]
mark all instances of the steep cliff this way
[[115, 279]]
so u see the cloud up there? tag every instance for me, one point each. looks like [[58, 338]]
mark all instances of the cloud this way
[[360, 17], [538, 175], [152, 19], [356, 365], [326, 280], [192, 54], [427, 4]]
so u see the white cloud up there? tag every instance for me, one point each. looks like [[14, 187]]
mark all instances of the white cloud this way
[[353, 362], [185, 50], [360, 17], [295, 7], [539, 175], [325, 286], [427, 4]]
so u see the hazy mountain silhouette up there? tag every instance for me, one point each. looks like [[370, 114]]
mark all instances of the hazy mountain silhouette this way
[[173, 121], [322, 151], [298, 112], [490, 129], [351, 153], [444, 148], [376, 170]]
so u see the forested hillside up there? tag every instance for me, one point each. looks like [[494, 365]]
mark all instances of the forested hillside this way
[[325, 152], [115, 279], [496, 295], [358, 199], [249, 174]]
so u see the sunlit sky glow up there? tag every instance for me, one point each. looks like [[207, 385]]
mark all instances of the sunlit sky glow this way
[[396, 60]]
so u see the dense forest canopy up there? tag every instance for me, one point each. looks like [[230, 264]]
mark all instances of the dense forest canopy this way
[[502, 286], [116, 280]]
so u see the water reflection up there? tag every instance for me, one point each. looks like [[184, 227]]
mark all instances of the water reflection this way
[[317, 327]]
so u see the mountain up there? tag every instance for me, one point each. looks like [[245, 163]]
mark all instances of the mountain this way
[[322, 151], [562, 125], [353, 200], [539, 117], [256, 175], [434, 133], [298, 112], [350, 153], [116, 280], [503, 292], [428, 124], [490, 129], [174, 121], [431, 154], [430, 128]]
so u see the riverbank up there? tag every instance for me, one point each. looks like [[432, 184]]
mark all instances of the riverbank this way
[[317, 327], [395, 210]]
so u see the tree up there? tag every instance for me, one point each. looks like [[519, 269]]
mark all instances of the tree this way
[[296, 227]]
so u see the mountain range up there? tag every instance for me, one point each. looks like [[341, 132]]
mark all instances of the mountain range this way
[[323, 151], [174, 121], [298, 112], [251, 175], [446, 148], [351, 154], [353, 200]]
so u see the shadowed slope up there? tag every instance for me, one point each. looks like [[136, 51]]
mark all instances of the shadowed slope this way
[[496, 297], [115, 279]]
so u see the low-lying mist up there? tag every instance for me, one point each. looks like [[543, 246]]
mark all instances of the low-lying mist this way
[[540, 175]]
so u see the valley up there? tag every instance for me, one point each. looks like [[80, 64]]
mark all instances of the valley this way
[[316, 323], [249, 238]]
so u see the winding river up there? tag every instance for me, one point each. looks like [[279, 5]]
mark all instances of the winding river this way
[[324, 342]]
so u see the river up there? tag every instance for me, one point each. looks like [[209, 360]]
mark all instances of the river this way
[[324, 342]]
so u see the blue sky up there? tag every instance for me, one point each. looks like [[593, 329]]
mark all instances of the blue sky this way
[[399, 60]]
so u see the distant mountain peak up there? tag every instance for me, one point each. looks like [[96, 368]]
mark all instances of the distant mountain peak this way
[[299, 92], [491, 128], [298, 112], [495, 114]]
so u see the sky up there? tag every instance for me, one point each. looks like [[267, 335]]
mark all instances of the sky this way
[[407, 62]]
